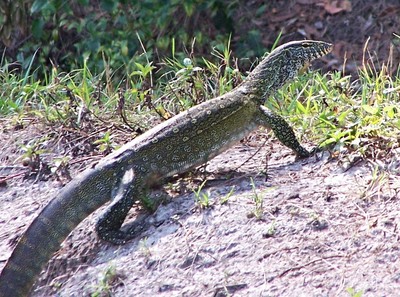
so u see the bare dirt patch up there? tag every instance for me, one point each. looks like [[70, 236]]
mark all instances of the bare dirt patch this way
[[364, 32], [325, 227]]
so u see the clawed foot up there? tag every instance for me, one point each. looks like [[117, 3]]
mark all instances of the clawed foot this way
[[315, 150], [126, 233], [305, 154]]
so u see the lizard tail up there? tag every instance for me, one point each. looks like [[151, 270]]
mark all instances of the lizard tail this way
[[44, 236]]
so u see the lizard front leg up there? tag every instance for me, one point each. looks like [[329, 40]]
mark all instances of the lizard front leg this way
[[281, 129]]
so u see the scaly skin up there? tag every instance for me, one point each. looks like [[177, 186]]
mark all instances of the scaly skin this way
[[185, 141]]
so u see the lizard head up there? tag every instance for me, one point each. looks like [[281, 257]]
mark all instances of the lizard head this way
[[284, 62], [302, 52], [294, 56]]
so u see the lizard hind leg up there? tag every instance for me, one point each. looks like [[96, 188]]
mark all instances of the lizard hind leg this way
[[108, 226]]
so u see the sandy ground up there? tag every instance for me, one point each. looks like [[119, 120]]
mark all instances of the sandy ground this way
[[321, 227]]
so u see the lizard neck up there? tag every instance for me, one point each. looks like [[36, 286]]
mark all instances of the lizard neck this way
[[270, 75]]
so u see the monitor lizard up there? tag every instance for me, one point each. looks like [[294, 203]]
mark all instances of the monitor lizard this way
[[185, 141]]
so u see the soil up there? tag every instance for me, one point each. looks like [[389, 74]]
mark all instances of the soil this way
[[327, 225], [322, 226], [364, 32]]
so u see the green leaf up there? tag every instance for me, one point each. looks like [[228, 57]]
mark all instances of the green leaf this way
[[390, 111], [370, 109], [328, 141], [397, 123], [109, 5], [301, 107], [189, 8], [341, 118], [38, 5], [37, 28]]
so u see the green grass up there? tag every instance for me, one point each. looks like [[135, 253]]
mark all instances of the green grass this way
[[106, 283], [202, 198], [334, 111], [258, 200]]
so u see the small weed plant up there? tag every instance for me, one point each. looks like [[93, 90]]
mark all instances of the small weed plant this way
[[258, 211], [106, 282], [355, 117], [202, 198], [226, 198]]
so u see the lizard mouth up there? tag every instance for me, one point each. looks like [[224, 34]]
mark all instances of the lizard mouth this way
[[322, 51], [327, 49]]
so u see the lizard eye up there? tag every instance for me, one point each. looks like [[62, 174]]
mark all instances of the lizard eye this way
[[306, 44]]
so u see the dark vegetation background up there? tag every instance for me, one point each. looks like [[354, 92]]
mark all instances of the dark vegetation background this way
[[37, 35]]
